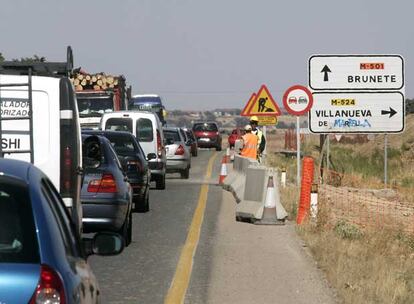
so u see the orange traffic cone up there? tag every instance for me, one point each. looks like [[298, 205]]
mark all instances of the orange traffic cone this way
[[223, 171], [227, 155], [270, 211]]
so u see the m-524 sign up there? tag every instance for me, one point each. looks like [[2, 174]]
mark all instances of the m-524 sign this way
[[357, 112], [357, 94]]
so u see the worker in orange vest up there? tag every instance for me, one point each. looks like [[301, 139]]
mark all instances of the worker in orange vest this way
[[250, 141]]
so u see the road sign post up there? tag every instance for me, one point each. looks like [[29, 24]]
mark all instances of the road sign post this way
[[297, 100]]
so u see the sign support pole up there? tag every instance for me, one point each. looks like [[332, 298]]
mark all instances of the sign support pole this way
[[327, 153], [385, 159], [264, 156], [298, 150]]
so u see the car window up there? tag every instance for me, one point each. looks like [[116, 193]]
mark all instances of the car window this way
[[18, 240], [66, 228], [205, 127], [119, 124], [114, 156], [190, 135], [123, 145], [184, 136], [172, 135], [144, 130]]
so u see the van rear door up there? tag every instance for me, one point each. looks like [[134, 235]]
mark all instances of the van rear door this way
[[52, 140]]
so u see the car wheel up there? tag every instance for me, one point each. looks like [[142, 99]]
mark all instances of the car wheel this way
[[126, 230], [160, 182], [129, 229], [185, 173], [143, 206]]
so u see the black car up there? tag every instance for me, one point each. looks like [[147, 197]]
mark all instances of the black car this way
[[106, 194], [191, 140], [134, 162]]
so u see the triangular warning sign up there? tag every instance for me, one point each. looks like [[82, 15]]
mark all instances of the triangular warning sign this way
[[264, 104], [248, 105]]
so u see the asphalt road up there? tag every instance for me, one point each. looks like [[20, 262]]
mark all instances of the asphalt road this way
[[144, 271], [230, 262]]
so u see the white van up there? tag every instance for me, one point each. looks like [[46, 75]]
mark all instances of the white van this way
[[147, 128], [39, 124]]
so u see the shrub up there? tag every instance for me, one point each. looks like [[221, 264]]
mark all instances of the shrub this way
[[347, 231]]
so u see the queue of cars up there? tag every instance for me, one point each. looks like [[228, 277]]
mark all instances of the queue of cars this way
[[92, 183]]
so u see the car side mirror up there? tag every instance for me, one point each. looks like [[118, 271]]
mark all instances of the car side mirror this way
[[104, 243], [151, 156]]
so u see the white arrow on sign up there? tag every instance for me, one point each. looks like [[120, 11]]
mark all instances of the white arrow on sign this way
[[357, 112], [356, 72]]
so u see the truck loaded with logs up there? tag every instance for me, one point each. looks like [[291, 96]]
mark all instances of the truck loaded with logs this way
[[98, 94]]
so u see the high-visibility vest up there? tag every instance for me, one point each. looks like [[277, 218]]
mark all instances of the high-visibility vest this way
[[259, 135], [250, 146]]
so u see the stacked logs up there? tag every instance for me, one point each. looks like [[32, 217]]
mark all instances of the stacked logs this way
[[99, 81]]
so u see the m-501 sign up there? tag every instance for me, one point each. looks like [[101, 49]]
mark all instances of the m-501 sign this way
[[356, 72]]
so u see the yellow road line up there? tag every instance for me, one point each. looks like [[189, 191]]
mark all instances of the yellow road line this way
[[179, 285]]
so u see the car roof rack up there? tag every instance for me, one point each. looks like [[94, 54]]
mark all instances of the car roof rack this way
[[53, 69]]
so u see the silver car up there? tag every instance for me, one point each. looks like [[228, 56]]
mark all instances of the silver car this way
[[178, 152]]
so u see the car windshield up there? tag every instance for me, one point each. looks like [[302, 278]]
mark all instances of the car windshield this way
[[205, 127], [146, 103], [123, 145], [172, 135], [94, 107], [18, 242]]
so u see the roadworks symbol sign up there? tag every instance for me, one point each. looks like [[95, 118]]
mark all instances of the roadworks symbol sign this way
[[264, 104]]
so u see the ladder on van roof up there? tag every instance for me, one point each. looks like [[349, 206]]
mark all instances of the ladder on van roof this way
[[49, 69], [29, 117]]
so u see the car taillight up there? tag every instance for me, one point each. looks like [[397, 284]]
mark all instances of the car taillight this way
[[159, 144], [67, 168], [50, 289], [180, 150], [134, 163], [106, 184]]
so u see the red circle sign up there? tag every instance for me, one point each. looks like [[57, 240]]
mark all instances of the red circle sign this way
[[297, 100]]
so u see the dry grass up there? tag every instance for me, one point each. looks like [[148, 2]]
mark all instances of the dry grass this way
[[364, 266], [373, 267]]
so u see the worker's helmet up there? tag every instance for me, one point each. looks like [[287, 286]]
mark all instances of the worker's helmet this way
[[254, 119], [248, 127]]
